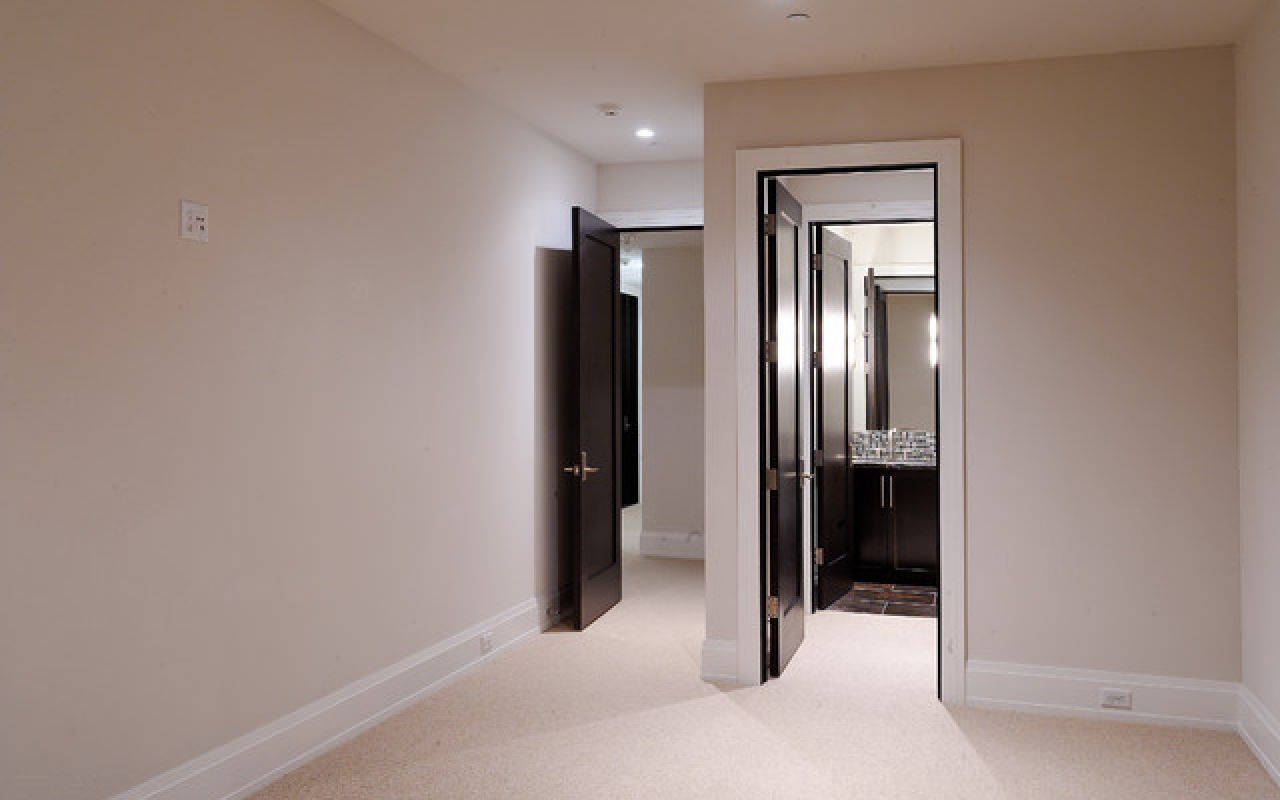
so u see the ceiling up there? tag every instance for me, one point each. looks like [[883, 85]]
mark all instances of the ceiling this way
[[553, 62]]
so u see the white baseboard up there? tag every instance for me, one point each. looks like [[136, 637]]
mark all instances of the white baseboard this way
[[1157, 699], [1261, 731], [720, 660], [672, 544], [242, 767]]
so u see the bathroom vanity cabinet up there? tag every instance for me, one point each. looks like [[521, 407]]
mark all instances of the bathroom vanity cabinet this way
[[895, 516]]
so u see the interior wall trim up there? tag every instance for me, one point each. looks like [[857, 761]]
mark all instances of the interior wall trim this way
[[720, 660], [1261, 731], [672, 544], [1157, 699], [249, 763]]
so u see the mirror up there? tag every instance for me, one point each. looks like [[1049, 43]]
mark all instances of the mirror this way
[[901, 353]]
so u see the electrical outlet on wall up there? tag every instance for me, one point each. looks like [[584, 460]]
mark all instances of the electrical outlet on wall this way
[[1121, 699]]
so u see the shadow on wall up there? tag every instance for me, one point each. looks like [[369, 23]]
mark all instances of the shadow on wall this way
[[553, 413]]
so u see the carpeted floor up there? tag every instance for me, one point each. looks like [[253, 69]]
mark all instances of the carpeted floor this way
[[618, 711]]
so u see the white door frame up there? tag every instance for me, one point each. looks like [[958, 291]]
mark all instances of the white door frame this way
[[946, 155]]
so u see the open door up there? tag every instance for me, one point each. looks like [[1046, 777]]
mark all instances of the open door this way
[[833, 530], [630, 400], [594, 452], [784, 471]]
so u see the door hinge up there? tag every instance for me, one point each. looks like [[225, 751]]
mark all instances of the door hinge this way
[[819, 557], [817, 458], [771, 352], [815, 261], [816, 360], [772, 608], [770, 224], [771, 480]]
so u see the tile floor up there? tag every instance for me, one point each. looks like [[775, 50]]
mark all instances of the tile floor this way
[[884, 598]]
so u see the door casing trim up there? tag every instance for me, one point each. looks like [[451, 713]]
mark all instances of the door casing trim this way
[[946, 155]]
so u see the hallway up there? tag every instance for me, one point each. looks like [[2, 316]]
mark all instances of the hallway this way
[[618, 711]]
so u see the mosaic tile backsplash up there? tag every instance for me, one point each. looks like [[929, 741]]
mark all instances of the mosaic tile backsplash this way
[[906, 446]]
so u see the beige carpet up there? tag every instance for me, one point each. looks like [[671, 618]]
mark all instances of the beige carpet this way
[[618, 711]]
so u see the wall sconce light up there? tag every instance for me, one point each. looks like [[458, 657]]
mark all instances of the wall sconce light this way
[[933, 340]]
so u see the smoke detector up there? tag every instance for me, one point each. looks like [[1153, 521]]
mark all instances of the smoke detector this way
[[609, 109]]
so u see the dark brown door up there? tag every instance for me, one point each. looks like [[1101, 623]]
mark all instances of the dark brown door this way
[[784, 471], [593, 471], [833, 561], [630, 400]]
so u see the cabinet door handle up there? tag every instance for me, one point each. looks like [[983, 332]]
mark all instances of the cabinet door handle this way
[[882, 491], [890, 491]]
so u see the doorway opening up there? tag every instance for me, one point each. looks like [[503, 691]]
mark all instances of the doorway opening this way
[[615, 464], [873, 399], [777, 461], [662, 428], [849, 498]]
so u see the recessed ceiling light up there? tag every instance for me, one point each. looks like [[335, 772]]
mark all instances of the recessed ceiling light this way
[[644, 133], [799, 16]]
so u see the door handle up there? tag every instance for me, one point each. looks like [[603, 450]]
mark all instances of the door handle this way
[[804, 476], [581, 470]]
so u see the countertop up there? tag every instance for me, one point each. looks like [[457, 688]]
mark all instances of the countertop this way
[[894, 464]]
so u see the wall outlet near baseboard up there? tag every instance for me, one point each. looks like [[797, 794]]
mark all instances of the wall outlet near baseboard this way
[[1121, 699], [486, 642]]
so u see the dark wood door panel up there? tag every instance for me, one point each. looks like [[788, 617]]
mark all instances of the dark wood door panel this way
[[594, 476], [833, 529], [785, 567], [630, 400]]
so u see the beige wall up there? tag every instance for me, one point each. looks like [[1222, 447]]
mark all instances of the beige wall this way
[[237, 476], [672, 390], [650, 185], [1258, 76], [1099, 198]]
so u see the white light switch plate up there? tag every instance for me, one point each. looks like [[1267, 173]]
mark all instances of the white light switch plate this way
[[195, 221]]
